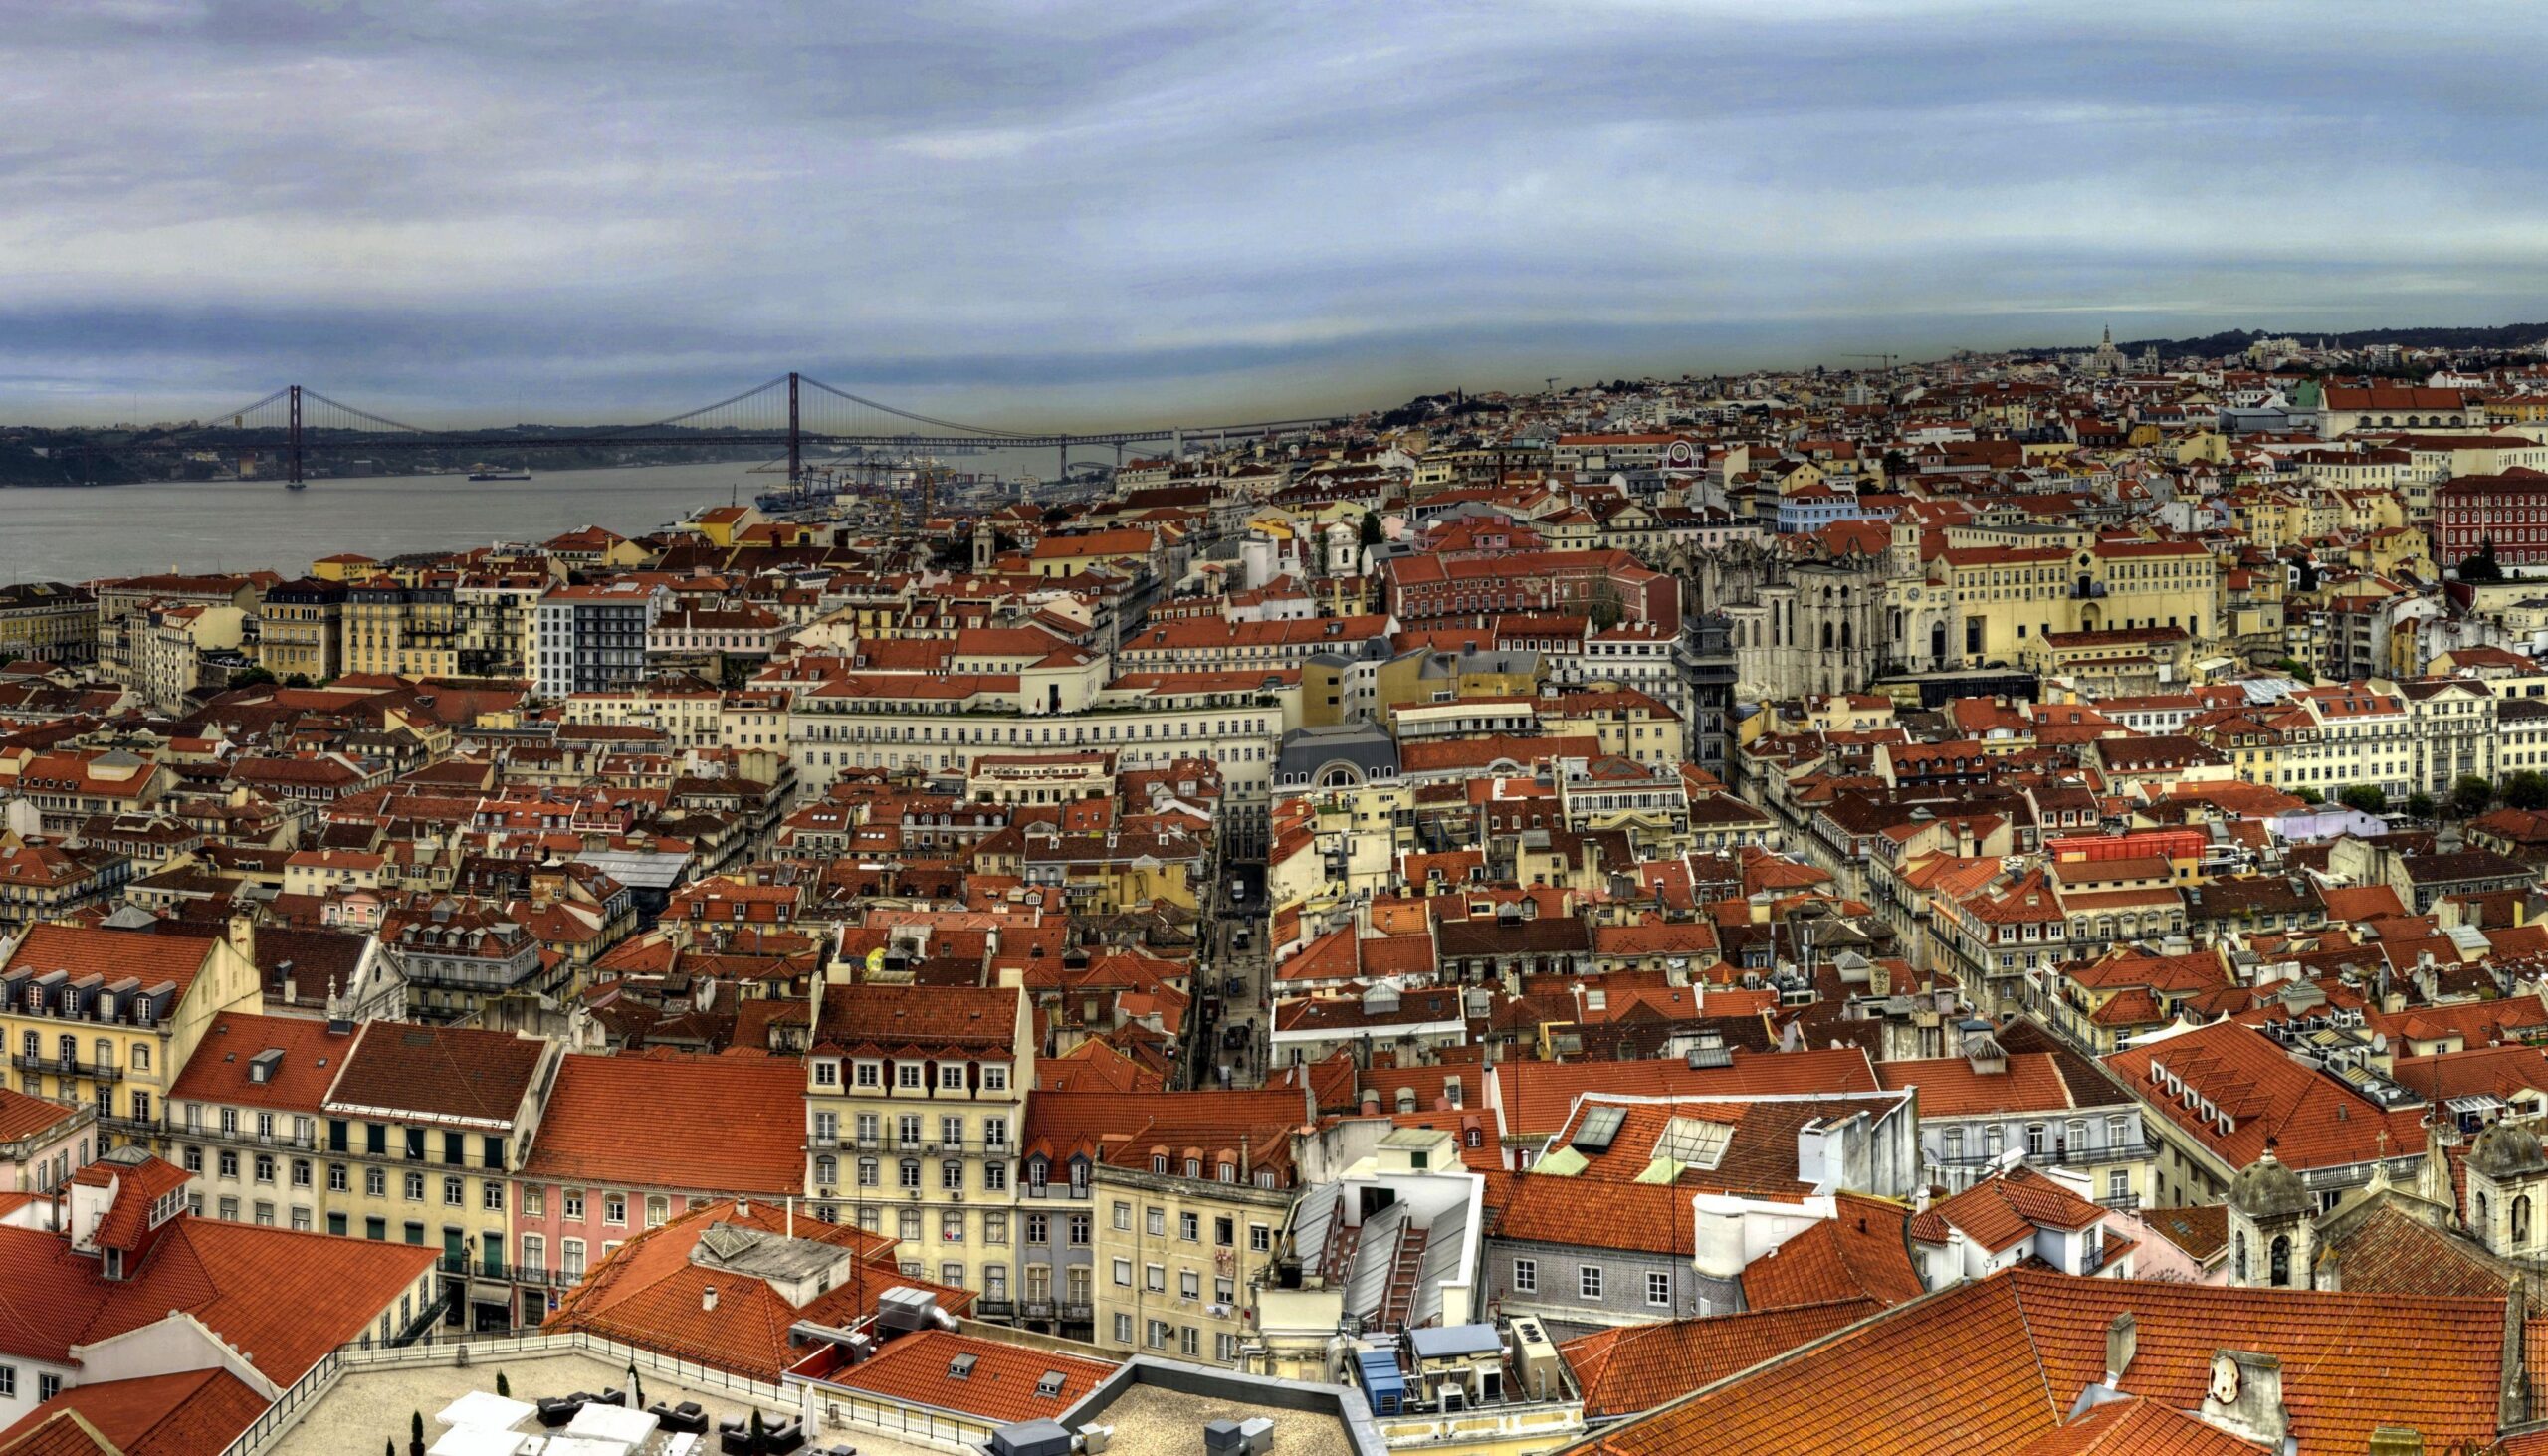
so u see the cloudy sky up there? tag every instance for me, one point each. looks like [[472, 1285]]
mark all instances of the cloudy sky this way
[[1066, 212]]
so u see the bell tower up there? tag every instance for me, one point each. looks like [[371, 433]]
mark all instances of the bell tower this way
[[2274, 1240]]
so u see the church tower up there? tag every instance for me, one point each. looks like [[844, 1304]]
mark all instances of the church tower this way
[[985, 548], [2272, 1237], [2508, 1191]]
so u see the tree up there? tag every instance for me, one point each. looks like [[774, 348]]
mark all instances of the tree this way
[[1371, 528], [502, 1386], [299, 679], [2364, 798], [2420, 804], [2295, 667], [2309, 579], [252, 678], [1605, 606], [2527, 790], [2308, 795], [2481, 566], [2470, 796]]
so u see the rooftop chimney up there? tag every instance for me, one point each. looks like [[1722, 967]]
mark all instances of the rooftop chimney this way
[[708, 1298], [2243, 1396], [2122, 1339], [2396, 1441]]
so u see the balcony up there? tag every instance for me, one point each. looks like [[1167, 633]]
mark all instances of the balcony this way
[[991, 1309], [1079, 1313], [1035, 1308], [69, 1067]]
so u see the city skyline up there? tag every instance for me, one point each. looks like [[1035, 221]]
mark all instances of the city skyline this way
[[1061, 215]]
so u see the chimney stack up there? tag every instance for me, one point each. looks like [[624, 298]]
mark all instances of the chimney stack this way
[[708, 1298], [2122, 1342]]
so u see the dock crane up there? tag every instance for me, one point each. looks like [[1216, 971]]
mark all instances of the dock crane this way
[[1889, 360]]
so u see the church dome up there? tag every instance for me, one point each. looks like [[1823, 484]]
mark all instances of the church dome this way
[[2266, 1189], [2506, 1152]]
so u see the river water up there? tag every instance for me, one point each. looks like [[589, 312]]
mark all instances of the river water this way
[[76, 534]]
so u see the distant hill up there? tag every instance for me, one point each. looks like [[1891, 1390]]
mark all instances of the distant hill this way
[[2236, 341]]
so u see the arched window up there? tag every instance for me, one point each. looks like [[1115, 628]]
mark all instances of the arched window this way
[[2281, 1260], [2521, 1220], [2238, 1256]]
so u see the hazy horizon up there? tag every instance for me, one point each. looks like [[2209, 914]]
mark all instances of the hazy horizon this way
[[1068, 214]]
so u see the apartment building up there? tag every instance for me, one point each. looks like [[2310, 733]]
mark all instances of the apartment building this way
[[108, 1019], [48, 622], [589, 639], [301, 630], [914, 1098], [627, 1143], [393, 627], [424, 1131]]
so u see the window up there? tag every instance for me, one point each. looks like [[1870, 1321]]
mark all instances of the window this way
[[1039, 1228], [659, 1208], [454, 1195], [1658, 1289], [907, 1225], [867, 1172], [1154, 1222], [570, 1259], [48, 1386], [994, 1079], [1190, 1227], [996, 1228], [906, 1075], [1122, 1329], [951, 1076], [491, 1196], [995, 1176], [1224, 1231], [375, 1229], [951, 1133], [1526, 1276], [301, 1173], [615, 1208], [1260, 1238], [229, 1163], [909, 1175], [535, 1253], [1124, 1216], [1588, 1281], [1079, 1230], [415, 1187], [192, 1158], [1124, 1274], [376, 1182], [2118, 1184], [573, 1203], [1156, 1335], [8, 1382], [1189, 1285], [951, 1177]]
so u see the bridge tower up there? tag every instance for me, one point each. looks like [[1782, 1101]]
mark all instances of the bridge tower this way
[[293, 474], [795, 437]]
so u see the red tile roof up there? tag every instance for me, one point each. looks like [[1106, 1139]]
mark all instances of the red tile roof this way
[[1535, 1098], [999, 1387], [154, 959], [22, 1116], [720, 1125], [1863, 1253], [649, 1293], [280, 1296], [1636, 1367], [219, 1071], [1985, 1369], [183, 1415], [452, 1073]]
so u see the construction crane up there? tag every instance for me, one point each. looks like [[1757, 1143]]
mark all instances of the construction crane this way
[[1887, 359]]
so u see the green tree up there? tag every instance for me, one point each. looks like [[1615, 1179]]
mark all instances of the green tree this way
[[2308, 795], [299, 679], [2295, 667], [2481, 566], [252, 678], [2527, 790], [502, 1386], [2364, 798], [1605, 607], [2420, 804], [1370, 527], [2470, 796], [2309, 580]]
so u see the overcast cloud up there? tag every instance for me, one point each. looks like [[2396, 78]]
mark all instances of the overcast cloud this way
[[1034, 213]]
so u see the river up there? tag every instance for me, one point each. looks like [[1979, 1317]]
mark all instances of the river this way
[[77, 534]]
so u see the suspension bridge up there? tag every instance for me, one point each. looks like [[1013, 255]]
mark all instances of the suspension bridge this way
[[794, 412]]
